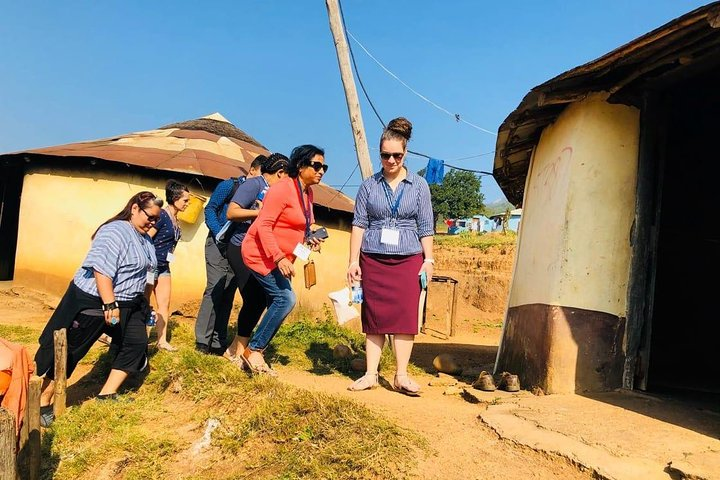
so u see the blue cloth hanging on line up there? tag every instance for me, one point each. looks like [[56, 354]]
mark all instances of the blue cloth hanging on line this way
[[435, 171]]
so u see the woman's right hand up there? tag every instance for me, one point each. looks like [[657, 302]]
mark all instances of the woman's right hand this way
[[354, 274], [286, 268], [110, 314]]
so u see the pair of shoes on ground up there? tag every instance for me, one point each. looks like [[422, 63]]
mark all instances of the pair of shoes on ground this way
[[401, 383], [255, 363], [486, 382]]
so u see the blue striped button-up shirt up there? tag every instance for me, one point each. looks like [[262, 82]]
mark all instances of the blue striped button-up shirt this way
[[373, 212], [121, 253]]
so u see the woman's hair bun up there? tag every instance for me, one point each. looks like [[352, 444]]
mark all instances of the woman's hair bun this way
[[401, 126]]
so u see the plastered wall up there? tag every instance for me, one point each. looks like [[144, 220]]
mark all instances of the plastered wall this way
[[61, 208], [579, 205]]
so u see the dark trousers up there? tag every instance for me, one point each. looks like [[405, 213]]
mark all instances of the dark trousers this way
[[212, 319], [254, 299], [129, 337]]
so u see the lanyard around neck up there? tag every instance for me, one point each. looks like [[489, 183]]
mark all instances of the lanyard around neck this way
[[305, 209], [389, 195]]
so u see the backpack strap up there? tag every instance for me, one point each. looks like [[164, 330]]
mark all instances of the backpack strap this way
[[236, 184]]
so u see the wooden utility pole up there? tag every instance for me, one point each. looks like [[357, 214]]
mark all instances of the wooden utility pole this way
[[356, 121]]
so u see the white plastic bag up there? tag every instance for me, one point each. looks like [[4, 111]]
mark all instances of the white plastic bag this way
[[341, 303]]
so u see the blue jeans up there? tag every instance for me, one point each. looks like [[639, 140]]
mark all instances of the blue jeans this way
[[281, 301]]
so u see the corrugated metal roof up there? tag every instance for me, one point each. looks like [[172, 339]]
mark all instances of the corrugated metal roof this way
[[625, 73]]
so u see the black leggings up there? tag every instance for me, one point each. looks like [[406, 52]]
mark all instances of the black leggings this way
[[253, 295]]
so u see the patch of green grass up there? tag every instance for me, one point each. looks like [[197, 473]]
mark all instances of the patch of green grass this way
[[482, 241], [19, 334], [277, 430], [314, 435], [307, 342], [110, 434]]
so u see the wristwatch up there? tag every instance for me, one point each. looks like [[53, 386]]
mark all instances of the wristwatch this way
[[429, 260], [110, 306]]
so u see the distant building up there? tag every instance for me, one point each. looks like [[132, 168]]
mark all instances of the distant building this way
[[513, 221]]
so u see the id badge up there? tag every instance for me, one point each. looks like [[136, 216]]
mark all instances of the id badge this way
[[150, 278], [390, 236], [302, 252], [170, 257]]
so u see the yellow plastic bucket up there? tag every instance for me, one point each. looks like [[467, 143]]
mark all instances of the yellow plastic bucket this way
[[195, 206]]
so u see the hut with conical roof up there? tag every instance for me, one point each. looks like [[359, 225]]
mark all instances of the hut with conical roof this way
[[53, 199]]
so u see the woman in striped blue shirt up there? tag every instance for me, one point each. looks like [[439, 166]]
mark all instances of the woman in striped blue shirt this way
[[107, 294], [391, 246]]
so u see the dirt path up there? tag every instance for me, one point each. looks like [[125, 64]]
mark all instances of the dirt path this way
[[463, 447]]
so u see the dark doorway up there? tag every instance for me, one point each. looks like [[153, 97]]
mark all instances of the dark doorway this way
[[685, 323], [11, 179]]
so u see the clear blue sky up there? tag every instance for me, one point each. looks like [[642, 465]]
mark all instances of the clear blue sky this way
[[72, 71]]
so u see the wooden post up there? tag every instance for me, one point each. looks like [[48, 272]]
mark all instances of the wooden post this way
[[60, 338], [8, 439], [351, 97], [453, 308], [22, 453], [33, 420]]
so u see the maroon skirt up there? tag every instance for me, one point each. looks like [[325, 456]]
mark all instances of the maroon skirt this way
[[391, 293]]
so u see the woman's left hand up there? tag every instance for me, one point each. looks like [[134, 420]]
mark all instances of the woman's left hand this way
[[428, 268]]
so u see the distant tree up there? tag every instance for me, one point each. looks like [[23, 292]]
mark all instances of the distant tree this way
[[497, 207], [458, 196]]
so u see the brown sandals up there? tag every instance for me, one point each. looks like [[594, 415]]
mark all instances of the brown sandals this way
[[256, 366]]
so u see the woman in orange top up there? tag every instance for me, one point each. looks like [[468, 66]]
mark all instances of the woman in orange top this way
[[279, 234]]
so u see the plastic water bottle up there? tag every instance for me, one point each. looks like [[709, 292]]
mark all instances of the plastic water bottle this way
[[151, 318], [357, 292]]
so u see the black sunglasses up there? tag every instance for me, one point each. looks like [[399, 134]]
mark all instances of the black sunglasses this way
[[386, 155], [317, 166], [151, 218]]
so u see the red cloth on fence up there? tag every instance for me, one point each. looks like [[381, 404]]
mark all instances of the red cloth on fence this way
[[15, 399]]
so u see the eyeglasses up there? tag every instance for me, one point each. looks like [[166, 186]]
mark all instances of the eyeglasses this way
[[386, 155], [318, 165], [151, 218]]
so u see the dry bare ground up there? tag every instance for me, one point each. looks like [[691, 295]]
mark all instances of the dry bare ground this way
[[463, 448]]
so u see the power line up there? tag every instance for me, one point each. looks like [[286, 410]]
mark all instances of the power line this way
[[456, 116], [367, 97]]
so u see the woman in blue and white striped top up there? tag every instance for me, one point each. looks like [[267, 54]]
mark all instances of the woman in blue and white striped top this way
[[107, 295], [391, 246]]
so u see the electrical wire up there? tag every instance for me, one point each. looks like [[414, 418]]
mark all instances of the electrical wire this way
[[456, 116], [372, 105]]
